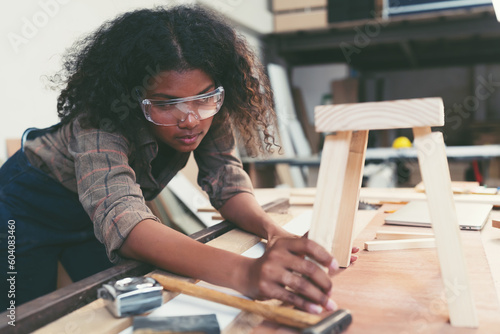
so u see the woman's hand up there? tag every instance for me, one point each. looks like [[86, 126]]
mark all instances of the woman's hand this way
[[284, 273], [353, 251], [281, 233]]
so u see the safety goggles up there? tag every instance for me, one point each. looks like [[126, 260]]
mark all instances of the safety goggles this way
[[175, 111]]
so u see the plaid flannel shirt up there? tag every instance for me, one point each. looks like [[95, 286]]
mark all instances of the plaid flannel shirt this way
[[113, 177]]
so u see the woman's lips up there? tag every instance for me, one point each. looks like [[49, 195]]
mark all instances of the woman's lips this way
[[188, 139]]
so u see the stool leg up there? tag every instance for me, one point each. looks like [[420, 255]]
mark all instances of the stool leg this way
[[436, 176], [337, 193]]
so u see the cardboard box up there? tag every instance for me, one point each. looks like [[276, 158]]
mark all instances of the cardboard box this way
[[284, 5], [315, 19]]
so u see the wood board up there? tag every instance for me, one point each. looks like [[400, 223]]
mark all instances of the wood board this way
[[306, 196], [397, 114]]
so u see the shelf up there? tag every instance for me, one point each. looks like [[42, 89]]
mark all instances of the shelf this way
[[446, 38]]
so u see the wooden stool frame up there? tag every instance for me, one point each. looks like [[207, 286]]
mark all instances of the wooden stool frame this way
[[340, 176]]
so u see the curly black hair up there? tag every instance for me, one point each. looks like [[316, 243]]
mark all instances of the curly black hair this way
[[104, 71]]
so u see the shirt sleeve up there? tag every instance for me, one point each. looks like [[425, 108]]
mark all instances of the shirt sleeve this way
[[221, 172], [107, 186]]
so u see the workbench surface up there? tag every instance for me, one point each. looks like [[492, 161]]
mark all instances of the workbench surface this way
[[386, 291]]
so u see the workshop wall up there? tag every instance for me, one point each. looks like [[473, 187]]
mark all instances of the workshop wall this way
[[37, 32]]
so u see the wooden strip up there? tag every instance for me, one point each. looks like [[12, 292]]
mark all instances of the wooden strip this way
[[302, 201], [342, 242], [495, 223], [378, 245], [390, 195], [332, 172], [206, 209], [303, 192], [408, 194], [397, 235], [380, 115], [436, 177], [283, 315]]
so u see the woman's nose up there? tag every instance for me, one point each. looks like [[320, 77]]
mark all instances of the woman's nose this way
[[190, 122]]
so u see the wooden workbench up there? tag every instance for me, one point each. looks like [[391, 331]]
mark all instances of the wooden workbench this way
[[386, 291]]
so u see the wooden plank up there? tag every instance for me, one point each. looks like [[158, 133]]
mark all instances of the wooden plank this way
[[435, 174], [380, 245], [342, 243], [397, 235], [333, 168], [380, 115], [495, 223]]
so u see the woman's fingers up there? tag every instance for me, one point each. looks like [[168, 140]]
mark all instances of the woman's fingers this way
[[300, 302], [309, 248]]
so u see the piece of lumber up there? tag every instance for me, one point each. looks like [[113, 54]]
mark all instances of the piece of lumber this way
[[380, 115], [207, 209], [458, 187], [436, 176], [397, 235], [390, 196], [280, 314], [303, 192], [342, 243], [379, 245], [409, 194], [302, 200], [333, 168], [495, 223]]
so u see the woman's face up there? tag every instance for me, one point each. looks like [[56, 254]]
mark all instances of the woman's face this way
[[187, 134]]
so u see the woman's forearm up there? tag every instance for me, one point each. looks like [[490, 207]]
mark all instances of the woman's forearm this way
[[244, 211], [282, 272], [171, 250]]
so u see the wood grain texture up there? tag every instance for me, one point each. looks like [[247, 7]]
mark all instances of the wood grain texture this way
[[280, 314], [331, 177], [398, 235], [381, 245], [436, 177], [380, 115], [342, 242]]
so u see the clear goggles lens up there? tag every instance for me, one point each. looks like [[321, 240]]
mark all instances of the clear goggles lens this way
[[175, 111]]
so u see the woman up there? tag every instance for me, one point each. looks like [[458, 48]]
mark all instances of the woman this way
[[138, 96]]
